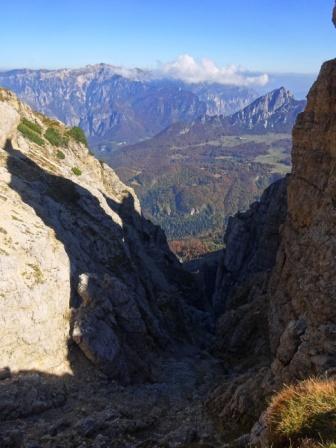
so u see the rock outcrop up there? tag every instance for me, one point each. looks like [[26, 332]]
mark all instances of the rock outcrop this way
[[252, 239], [78, 261], [302, 317], [278, 291]]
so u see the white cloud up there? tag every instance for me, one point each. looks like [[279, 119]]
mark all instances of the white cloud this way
[[188, 69]]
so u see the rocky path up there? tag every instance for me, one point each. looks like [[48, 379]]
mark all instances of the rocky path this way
[[93, 412]]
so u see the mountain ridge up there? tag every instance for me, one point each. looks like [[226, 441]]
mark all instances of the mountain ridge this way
[[258, 117], [275, 111], [116, 104]]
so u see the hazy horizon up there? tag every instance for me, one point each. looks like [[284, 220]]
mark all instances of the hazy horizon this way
[[297, 83], [219, 39]]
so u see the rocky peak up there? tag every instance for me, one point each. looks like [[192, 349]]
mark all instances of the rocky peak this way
[[276, 110], [272, 101], [277, 98]]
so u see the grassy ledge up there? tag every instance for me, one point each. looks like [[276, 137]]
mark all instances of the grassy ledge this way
[[78, 135], [304, 415], [32, 131], [55, 138], [32, 125]]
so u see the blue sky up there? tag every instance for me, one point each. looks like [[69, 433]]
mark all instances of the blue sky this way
[[261, 35]]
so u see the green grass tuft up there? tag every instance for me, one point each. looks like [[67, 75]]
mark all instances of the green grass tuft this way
[[76, 171], [78, 135], [28, 132], [60, 155], [50, 122], [54, 137], [32, 125], [304, 415]]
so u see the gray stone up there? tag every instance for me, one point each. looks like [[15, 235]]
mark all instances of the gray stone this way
[[5, 373]]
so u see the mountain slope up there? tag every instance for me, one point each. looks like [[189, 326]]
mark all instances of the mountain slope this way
[[223, 99], [79, 263], [275, 111], [117, 105], [106, 104]]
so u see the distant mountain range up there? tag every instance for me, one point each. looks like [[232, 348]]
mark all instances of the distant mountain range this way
[[191, 175], [115, 105], [274, 112]]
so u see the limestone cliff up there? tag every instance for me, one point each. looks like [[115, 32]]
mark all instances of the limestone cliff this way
[[252, 239], [278, 291], [79, 264], [302, 317]]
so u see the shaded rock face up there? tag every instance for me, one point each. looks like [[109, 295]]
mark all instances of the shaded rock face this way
[[276, 281], [80, 263], [29, 395], [251, 240], [302, 316]]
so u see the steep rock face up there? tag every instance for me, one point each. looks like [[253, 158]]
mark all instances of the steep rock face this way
[[251, 240], [302, 289], [282, 327], [29, 319], [73, 236]]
